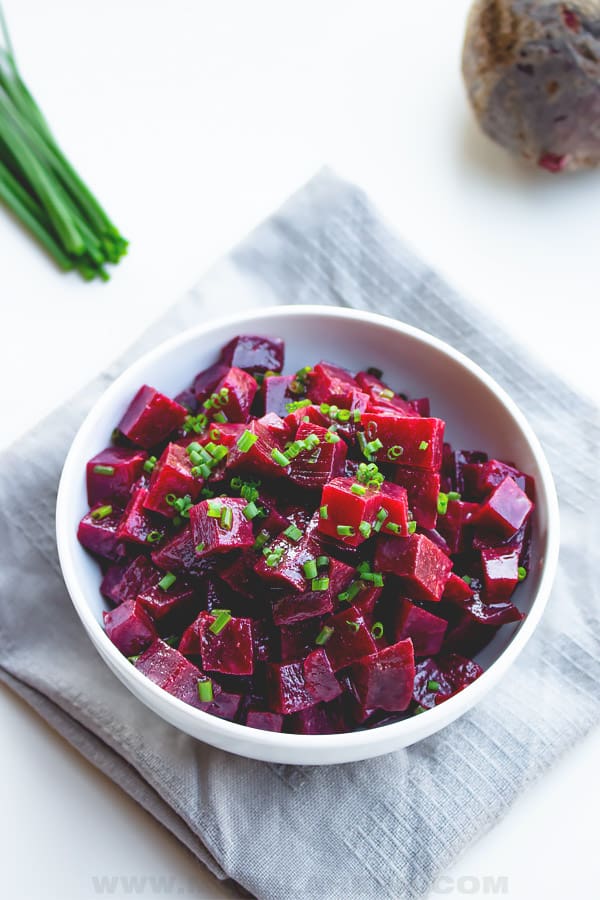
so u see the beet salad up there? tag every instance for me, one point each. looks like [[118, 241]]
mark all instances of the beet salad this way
[[302, 552]]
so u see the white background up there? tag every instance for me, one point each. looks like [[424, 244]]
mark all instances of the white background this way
[[192, 121]]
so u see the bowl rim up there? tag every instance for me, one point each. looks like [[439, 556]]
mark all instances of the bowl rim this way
[[401, 733]]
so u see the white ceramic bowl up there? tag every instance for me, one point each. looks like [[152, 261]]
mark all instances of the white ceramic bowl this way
[[479, 415]]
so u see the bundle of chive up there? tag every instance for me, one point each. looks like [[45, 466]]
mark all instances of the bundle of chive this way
[[41, 188]]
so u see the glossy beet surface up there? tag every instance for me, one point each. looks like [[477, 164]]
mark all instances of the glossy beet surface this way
[[301, 552]]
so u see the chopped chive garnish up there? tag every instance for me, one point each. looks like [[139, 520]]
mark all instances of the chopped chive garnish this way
[[377, 630], [220, 417], [322, 561], [310, 568], [133, 659], [251, 510], [369, 475], [220, 622], [363, 567], [442, 503], [172, 640], [467, 579], [365, 529], [102, 512], [373, 446], [279, 457], [354, 626], [205, 690], [433, 685], [319, 584], [412, 527], [345, 531], [395, 452], [356, 416], [423, 445], [355, 589], [293, 533], [324, 408], [343, 415], [153, 536], [214, 510], [375, 578], [522, 573], [393, 527], [196, 424], [419, 710], [358, 489], [382, 515], [261, 539], [324, 635], [200, 547], [453, 495], [220, 452], [343, 597], [323, 512], [387, 394], [215, 434], [226, 518], [167, 581], [332, 438], [150, 464], [274, 558], [104, 470], [246, 441], [297, 404]]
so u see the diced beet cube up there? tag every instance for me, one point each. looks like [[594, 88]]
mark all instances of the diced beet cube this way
[[111, 581], [137, 524], [225, 706], [456, 589], [261, 718], [254, 353], [129, 627], [314, 415], [286, 688], [111, 474], [438, 679], [159, 601], [500, 572], [506, 509], [298, 640], [172, 475], [425, 630], [481, 478], [423, 488], [453, 469], [469, 637], [98, 533], [240, 390], [319, 676], [374, 386], [323, 718], [295, 607], [283, 559], [133, 578], [315, 467], [454, 524], [384, 680], [421, 406], [206, 381], [187, 399], [230, 530], [271, 434], [394, 500], [159, 663], [346, 509], [276, 394], [230, 652], [365, 601], [239, 575], [151, 417], [183, 683], [266, 640], [421, 440], [422, 567], [332, 384], [178, 554], [350, 639], [500, 612]]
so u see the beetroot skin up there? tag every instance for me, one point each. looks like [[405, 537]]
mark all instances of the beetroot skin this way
[[287, 536]]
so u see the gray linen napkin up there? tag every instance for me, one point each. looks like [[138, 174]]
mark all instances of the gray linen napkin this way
[[378, 829]]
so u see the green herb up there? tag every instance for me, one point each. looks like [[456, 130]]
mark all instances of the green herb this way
[[419, 710], [332, 438], [324, 635], [442, 503], [226, 518], [453, 495], [387, 394], [423, 445], [153, 537], [261, 539], [393, 527], [345, 531], [220, 622], [354, 626], [365, 529], [104, 470], [373, 446], [181, 505], [322, 561], [412, 527], [522, 573], [205, 690], [279, 457], [101, 512], [40, 186], [197, 424], [323, 512], [377, 630], [358, 489], [433, 686], [133, 659], [167, 581], [200, 547], [246, 441], [150, 464], [319, 584], [251, 510], [467, 579], [369, 475], [293, 533], [310, 568], [297, 404], [395, 452], [273, 557]]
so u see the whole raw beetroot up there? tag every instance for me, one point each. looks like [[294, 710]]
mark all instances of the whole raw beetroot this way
[[532, 71]]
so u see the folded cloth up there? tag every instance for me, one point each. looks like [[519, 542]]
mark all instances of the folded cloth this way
[[383, 828]]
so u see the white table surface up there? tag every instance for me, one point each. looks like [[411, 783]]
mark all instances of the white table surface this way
[[192, 121]]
